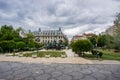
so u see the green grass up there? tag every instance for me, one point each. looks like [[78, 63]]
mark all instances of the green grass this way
[[107, 55], [43, 53]]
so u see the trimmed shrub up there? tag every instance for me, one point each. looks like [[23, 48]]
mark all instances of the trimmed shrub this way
[[20, 45], [81, 46]]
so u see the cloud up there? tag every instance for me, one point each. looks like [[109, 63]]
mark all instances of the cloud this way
[[75, 30], [74, 16]]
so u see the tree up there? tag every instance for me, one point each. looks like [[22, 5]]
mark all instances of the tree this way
[[81, 46], [6, 32], [9, 36], [116, 35], [65, 43], [110, 42], [29, 40], [38, 45], [5, 29]]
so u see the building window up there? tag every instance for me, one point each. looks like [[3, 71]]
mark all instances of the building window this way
[[35, 39], [38, 40]]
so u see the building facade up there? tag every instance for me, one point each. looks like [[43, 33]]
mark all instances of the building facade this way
[[83, 36], [49, 36], [111, 30]]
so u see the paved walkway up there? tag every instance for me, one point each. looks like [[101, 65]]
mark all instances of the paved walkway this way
[[39, 71], [69, 53]]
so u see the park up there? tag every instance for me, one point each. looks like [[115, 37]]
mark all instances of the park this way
[[60, 40]]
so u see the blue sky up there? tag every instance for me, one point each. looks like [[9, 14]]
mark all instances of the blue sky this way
[[73, 16]]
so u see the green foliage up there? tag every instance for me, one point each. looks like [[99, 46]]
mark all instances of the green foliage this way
[[7, 46], [106, 41], [66, 43], [102, 40], [38, 45], [110, 42], [31, 44], [10, 36], [107, 55], [116, 35], [6, 33], [20, 45], [81, 46], [5, 29], [43, 53], [93, 40], [27, 55]]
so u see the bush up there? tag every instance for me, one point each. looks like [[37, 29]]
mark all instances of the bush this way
[[81, 46], [7, 46], [31, 44], [20, 45], [94, 52], [38, 45], [97, 53]]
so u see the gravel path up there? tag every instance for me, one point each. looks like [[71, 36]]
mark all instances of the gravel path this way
[[72, 60], [69, 53]]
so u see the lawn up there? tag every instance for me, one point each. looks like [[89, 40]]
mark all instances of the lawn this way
[[44, 53], [107, 55]]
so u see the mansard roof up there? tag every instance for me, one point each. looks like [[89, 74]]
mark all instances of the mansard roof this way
[[48, 32]]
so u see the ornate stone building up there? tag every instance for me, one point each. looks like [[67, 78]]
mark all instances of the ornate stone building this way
[[49, 36]]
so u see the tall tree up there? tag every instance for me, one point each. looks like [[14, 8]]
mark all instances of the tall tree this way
[[117, 32]]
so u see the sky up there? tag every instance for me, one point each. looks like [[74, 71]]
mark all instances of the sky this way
[[73, 16]]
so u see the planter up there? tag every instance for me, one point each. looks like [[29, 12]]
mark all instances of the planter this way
[[63, 56], [8, 54], [20, 55], [47, 56], [34, 56]]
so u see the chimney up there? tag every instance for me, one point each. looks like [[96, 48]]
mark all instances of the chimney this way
[[39, 29], [59, 29]]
